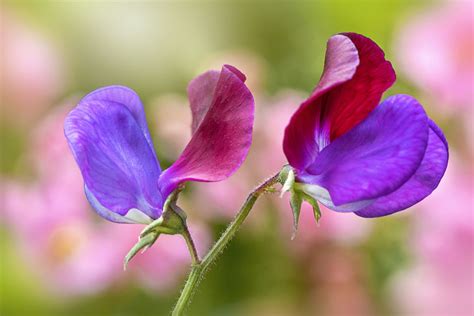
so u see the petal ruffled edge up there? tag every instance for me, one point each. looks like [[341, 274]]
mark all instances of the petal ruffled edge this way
[[425, 180]]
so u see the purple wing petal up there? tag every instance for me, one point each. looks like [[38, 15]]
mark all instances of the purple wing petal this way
[[117, 162], [355, 76], [377, 156], [421, 184], [126, 97], [222, 139]]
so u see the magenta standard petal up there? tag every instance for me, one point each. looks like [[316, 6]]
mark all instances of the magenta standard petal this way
[[118, 164], [223, 130], [376, 157], [355, 76], [127, 97], [421, 184]]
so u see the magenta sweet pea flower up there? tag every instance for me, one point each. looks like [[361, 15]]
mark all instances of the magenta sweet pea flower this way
[[353, 154], [109, 138]]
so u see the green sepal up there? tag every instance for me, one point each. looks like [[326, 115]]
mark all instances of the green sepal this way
[[295, 202], [143, 243], [171, 222], [288, 179], [314, 204], [283, 175]]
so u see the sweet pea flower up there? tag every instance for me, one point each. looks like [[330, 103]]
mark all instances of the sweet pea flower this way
[[59, 237], [29, 59], [355, 155], [171, 118], [109, 138]]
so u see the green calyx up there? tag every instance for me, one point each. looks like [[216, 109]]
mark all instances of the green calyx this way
[[285, 176], [171, 222], [288, 179]]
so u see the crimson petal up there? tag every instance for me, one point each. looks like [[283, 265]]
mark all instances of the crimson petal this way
[[355, 76], [222, 130]]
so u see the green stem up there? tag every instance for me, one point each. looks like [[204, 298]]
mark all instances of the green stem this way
[[198, 270], [192, 248]]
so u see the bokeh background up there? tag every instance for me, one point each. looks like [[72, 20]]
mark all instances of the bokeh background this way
[[58, 257]]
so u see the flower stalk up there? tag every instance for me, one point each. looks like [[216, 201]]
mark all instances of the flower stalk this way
[[199, 269]]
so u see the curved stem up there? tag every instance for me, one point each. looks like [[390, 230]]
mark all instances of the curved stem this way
[[191, 247], [198, 270]]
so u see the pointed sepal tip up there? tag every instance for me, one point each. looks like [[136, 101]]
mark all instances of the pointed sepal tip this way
[[143, 243]]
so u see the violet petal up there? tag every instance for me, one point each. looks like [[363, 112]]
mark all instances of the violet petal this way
[[118, 164], [127, 97], [376, 157], [421, 184]]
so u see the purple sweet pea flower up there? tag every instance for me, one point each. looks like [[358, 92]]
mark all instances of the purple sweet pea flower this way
[[353, 154], [109, 138]]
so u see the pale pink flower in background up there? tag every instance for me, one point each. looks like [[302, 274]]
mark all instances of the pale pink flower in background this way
[[171, 121], [223, 200], [435, 50], [444, 225], [423, 292], [468, 131], [31, 70], [271, 121], [61, 237], [337, 275], [441, 281]]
